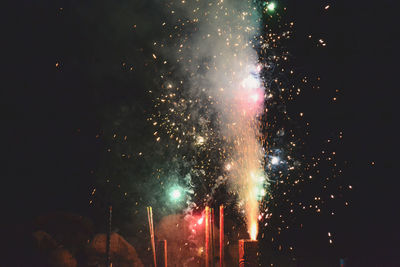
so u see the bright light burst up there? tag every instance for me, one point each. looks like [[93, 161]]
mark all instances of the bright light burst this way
[[271, 6], [275, 160], [176, 193]]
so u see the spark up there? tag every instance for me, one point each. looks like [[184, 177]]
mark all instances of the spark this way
[[275, 160], [200, 140], [271, 6]]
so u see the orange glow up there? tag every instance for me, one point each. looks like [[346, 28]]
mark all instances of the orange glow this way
[[253, 231]]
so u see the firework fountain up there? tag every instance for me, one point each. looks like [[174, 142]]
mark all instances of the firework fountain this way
[[221, 94], [232, 80], [241, 100], [248, 173]]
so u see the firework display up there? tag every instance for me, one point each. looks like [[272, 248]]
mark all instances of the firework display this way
[[200, 133], [222, 133]]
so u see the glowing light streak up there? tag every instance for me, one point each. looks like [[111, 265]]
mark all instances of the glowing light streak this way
[[253, 230]]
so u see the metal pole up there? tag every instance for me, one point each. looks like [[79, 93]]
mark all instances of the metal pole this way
[[108, 240]]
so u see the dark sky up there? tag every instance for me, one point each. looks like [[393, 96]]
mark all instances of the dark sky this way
[[47, 160], [360, 62]]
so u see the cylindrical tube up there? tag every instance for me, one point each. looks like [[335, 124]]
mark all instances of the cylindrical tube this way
[[207, 236], [151, 230], [248, 253], [162, 253], [221, 236], [212, 238]]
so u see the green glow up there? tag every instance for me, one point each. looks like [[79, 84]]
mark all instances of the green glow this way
[[261, 193], [271, 6], [175, 193]]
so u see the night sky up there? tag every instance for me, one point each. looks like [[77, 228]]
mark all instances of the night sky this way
[[52, 115]]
